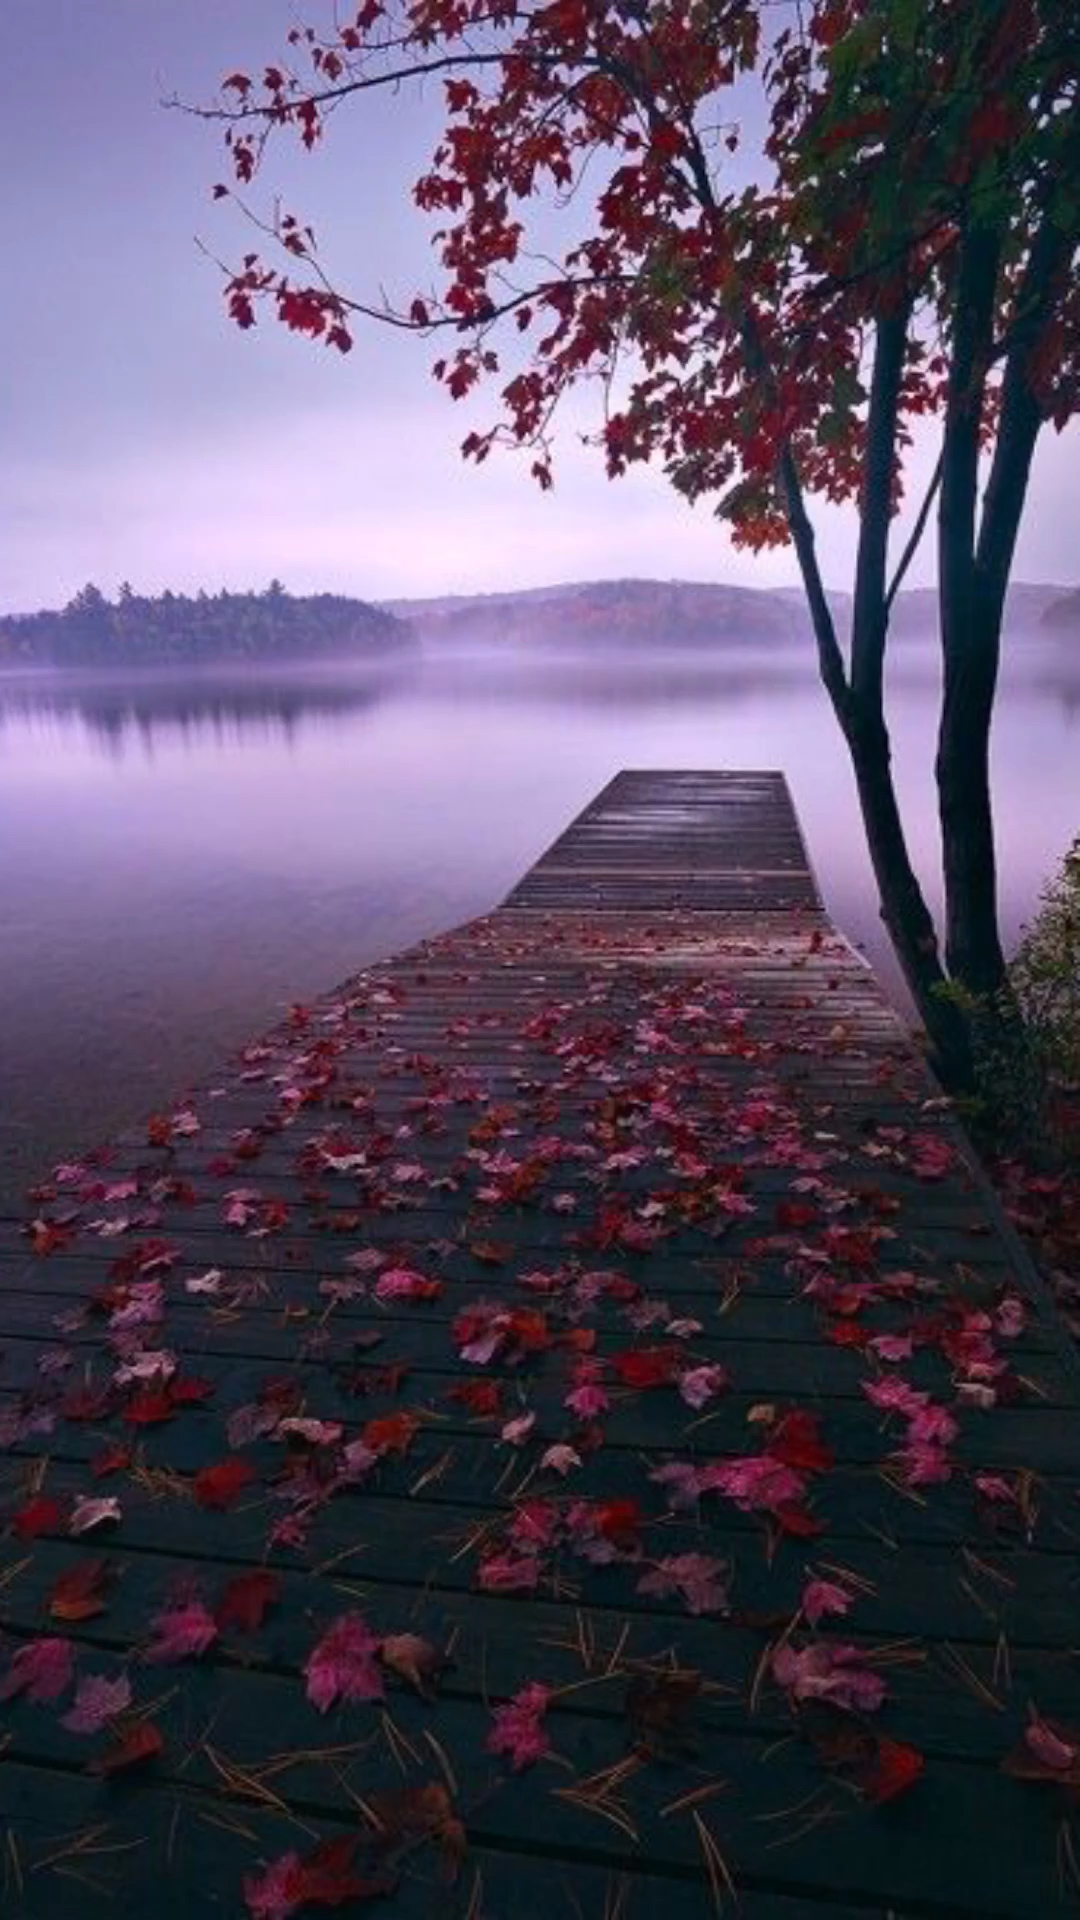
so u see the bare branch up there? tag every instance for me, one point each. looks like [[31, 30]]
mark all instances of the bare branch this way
[[917, 531]]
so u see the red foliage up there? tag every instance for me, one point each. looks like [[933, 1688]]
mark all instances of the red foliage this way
[[246, 1599], [219, 1487]]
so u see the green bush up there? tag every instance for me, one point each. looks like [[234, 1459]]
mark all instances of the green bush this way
[[1045, 974]]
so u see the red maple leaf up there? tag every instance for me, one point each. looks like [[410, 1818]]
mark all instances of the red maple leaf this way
[[219, 1487], [141, 1743], [796, 1441], [38, 1516], [150, 1408], [112, 1460], [393, 1433], [643, 1367], [246, 1598], [481, 1397], [79, 1592], [619, 1521], [187, 1390], [893, 1769]]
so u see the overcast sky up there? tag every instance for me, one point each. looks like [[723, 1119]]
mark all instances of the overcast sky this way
[[146, 439]]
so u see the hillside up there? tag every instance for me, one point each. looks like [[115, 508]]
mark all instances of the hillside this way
[[171, 629], [666, 614], [647, 613]]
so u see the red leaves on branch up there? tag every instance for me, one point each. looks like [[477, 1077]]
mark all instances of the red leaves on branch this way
[[738, 313]]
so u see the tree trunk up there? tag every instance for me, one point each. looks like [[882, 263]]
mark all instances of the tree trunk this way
[[904, 911], [969, 638], [973, 949]]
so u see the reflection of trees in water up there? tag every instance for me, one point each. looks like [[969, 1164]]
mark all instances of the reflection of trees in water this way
[[120, 713]]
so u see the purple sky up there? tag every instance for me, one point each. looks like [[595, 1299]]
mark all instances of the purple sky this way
[[144, 438]]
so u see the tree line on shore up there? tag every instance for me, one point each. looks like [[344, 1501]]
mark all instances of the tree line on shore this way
[[139, 629]]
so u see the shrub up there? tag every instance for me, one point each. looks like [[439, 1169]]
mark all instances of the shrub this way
[[1046, 976]]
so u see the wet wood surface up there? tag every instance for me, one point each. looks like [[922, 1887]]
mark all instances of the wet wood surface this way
[[595, 1309]]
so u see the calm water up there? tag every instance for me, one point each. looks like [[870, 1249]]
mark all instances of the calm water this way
[[181, 859]]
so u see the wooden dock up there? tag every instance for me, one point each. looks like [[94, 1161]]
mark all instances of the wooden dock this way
[[559, 1428]]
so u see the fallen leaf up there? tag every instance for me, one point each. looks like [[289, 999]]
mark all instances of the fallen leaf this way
[[343, 1665], [37, 1517], [88, 1514], [246, 1599], [181, 1632], [516, 1728], [219, 1487], [659, 1707], [415, 1661], [97, 1701], [322, 1878], [79, 1592], [137, 1745], [40, 1670]]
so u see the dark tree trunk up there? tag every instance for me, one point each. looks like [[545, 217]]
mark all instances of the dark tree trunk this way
[[858, 705], [973, 951], [970, 641], [904, 911]]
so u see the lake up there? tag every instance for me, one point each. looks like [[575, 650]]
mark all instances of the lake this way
[[182, 857]]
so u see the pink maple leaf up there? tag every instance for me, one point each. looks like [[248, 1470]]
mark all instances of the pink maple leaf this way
[[516, 1728], [97, 1701], [87, 1514], [343, 1665], [755, 1481], [587, 1401], [241, 1206], [506, 1573], [822, 1671], [181, 1632], [682, 1482], [272, 1895], [931, 1157], [518, 1430], [893, 1346], [701, 1580], [403, 1283], [1048, 1747], [560, 1459], [699, 1385], [820, 1598], [1011, 1317], [41, 1670], [893, 1395], [932, 1426], [993, 1487], [922, 1464]]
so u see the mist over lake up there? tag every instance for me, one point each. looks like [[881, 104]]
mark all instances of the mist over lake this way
[[184, 854]]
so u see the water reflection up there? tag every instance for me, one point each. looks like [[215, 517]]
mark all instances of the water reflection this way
[[119, 712], [231, 707]]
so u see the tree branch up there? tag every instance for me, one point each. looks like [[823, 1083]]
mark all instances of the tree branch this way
[[830, 658], [917, 532], [869, 622], [1021, 418]]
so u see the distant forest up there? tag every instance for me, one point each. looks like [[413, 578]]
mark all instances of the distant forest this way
[[171, 628]]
